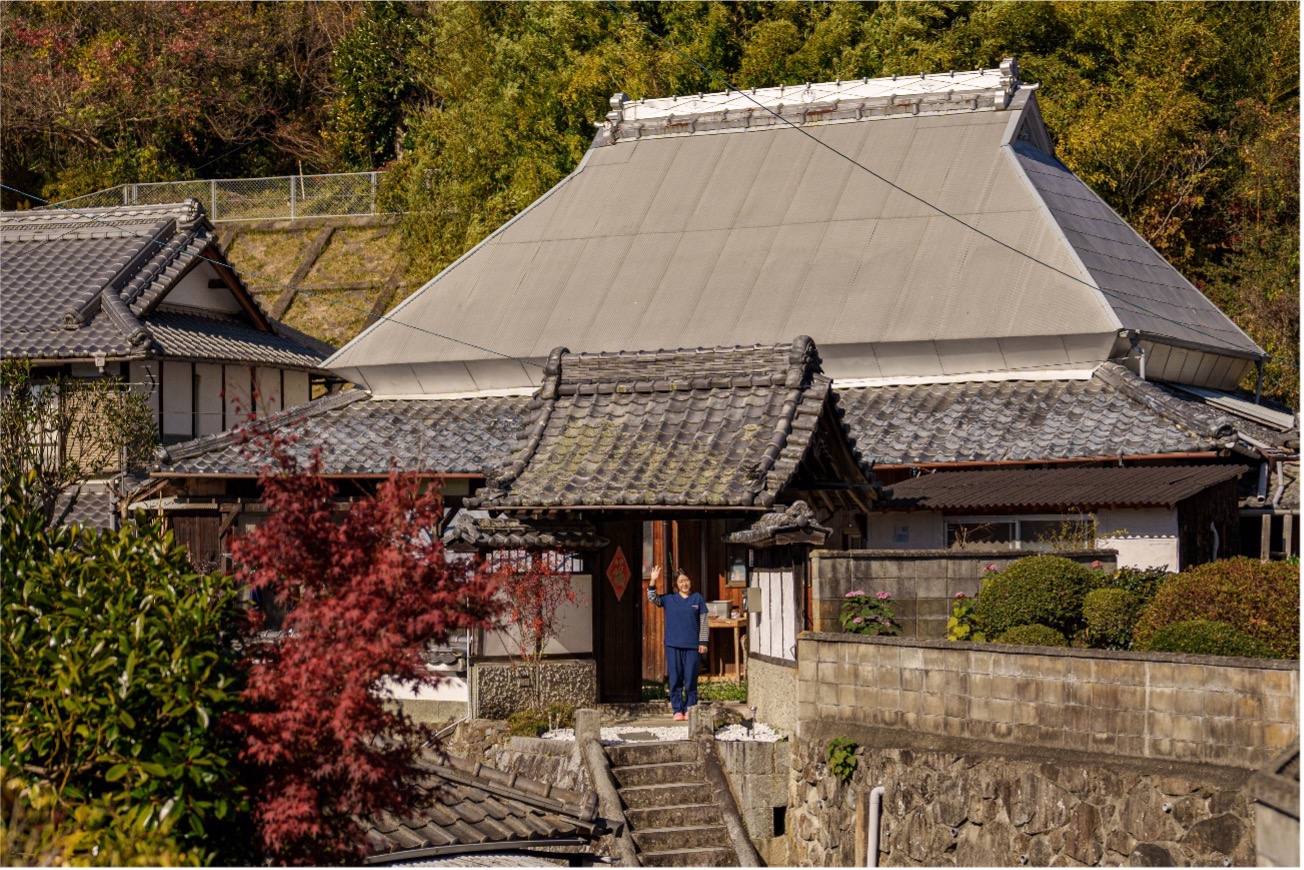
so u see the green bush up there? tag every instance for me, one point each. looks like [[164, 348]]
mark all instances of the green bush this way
[[1033, 635], [1141, 582], [1205, 637], [722, 690], [527, 723], [119, 667], [1110, 614], [1260, 599], [1042, 590]]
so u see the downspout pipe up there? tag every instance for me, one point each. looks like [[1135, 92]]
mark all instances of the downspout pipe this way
[[875, 816]]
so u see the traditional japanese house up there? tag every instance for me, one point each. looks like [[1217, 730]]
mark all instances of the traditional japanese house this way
[[146, 294], [975, 304]]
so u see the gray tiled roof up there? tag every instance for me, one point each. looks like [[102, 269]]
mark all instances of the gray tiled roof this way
[[475, 806], [705, 427], [468, 531], [361, 435], [796, 520], [991, 421], [79, 284]]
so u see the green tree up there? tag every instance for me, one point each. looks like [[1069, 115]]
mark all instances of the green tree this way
[[120, 667]]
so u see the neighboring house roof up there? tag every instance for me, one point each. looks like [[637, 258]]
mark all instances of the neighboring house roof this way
[[92, 282], [359, 435], [700, 221], [474, 530], [720, 427], [1110, 414], [477, 809], [1033, 489], [93, 505]]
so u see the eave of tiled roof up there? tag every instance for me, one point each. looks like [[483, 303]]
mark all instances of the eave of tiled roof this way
[[362, 436], [474, 806], [1058, 488]]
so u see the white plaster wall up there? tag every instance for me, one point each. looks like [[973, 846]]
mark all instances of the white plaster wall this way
[[1143, 538], [923, 531], [576, 635], [144, 379], [268, 383], [296, 389], [450, 687], [178, 412], [208, 397], [236, 386], [193, 291]]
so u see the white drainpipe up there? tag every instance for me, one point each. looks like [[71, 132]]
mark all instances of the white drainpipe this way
[[875, 813]]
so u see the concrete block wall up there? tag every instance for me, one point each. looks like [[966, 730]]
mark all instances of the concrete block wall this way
[[922, 582], [758, 777], [1204, 709]]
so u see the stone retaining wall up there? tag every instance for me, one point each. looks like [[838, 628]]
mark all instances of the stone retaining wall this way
[[772, 689], [922, 582], [973, 809], [1223, 711], [758, 778], [499, 689]]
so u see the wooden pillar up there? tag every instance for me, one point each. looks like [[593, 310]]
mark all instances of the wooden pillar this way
[[1287, 531], [1265, 537]]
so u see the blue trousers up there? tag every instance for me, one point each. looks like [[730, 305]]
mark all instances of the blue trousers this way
[[684, 664]]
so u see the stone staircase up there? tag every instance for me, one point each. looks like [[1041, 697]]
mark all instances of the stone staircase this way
[[669, 805]]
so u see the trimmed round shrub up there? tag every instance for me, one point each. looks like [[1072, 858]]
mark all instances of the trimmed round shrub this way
[[1260, 599], [1041, 590], [1141, 582], [1033, 635], [1110, 614], [1205, 637]]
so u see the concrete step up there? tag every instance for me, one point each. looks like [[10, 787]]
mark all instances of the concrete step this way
[[667, 839], [651, 818], [675, 794], [668, 752], [707, 857], [659, 774]]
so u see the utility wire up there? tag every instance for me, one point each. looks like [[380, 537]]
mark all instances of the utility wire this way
[[276, 282], [731, 87]]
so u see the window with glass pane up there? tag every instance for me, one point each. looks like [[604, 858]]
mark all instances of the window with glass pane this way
[[1064, 533], [997, 535]]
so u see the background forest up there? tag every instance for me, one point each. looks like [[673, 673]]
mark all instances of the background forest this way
[[1184, 116]]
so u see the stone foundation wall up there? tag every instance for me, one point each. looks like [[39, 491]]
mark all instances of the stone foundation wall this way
[[499, 689], [922, 582], [758, 778], [553, 761], [970, 808], [772, 690]]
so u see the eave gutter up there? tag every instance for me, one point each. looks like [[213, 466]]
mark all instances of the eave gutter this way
[[1083, 460]]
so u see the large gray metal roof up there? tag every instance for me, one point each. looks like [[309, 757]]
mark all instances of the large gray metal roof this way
[[738, 234]]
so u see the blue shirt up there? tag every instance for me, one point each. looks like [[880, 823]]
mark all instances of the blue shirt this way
[[686, 618]]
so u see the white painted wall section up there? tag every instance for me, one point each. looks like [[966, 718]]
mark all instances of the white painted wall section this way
[[1143, 538], [193, 291], [144, 379], [773, 631], [236, 387], [178, 413], [296, 389], [906, 530], [576, 635], [267, 382], [208, 399]]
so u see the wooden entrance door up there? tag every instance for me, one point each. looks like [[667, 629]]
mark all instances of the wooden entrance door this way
[[618, 614]]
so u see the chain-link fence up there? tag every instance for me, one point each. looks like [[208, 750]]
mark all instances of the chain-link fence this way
[[249, 199]]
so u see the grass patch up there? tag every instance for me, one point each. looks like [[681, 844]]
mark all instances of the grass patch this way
[[272, 255], [707, 690], [355, 255]]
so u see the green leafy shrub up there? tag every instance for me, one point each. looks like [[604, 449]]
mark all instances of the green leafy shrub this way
[[561, 715], [863, 613], [1260, 599], [963, 625], [841, 755], [527, 723], [1206, 637], [1042, 590], [119, 666], [1033, 635], [1141, 582], [1110, 614]]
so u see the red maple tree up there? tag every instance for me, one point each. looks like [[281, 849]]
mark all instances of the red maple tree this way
[[366, 591], [535, 587]]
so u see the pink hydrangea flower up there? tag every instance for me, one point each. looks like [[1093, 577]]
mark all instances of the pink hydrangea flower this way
[[855, 593], [961, 595], [858, 620], [884, 596], [1097, 565], [991, 567]]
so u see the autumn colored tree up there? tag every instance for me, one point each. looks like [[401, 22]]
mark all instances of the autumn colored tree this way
[[535, 588], [368, 589]]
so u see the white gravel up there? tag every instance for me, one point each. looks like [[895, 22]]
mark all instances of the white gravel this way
[[762, 733]]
